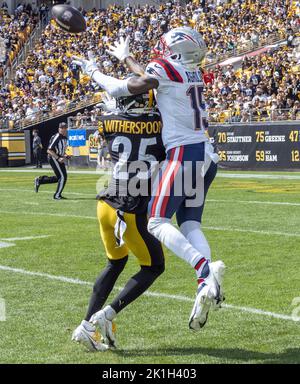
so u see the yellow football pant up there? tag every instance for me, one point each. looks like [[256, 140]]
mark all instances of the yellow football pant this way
[[137, 239]]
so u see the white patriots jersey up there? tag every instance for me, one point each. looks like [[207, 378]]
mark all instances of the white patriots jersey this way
[[180, 101]]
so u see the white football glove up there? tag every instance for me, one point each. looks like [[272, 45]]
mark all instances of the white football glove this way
[[109, 103], [120, 50], [89, 66]]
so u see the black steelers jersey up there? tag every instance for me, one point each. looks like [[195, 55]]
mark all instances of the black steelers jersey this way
[[136, 149]]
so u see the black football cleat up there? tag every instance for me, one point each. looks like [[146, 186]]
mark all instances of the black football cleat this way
[[37, 184]]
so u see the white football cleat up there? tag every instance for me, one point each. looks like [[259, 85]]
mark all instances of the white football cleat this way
[[209, 294], [218, 270], [107, 328], [87, 335], [203, 302]]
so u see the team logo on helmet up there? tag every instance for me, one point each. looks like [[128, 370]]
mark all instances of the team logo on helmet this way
[[180, 36]]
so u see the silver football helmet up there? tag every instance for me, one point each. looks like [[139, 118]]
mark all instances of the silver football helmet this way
[[138, 104], [183, 44]]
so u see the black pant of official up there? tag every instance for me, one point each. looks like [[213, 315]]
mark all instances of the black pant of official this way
[[37, 154], [60, 177]]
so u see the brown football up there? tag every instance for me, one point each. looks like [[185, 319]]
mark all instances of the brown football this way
[[68, 18]]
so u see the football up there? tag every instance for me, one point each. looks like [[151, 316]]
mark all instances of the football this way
[[69, 18]]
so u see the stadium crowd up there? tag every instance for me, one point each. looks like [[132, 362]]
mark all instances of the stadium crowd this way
[[265, 87], [48, 81], [15, 30]]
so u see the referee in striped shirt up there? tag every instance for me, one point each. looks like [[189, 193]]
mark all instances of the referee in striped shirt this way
[[56, 156]]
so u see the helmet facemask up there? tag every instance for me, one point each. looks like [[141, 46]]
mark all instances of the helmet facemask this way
[[137, 104]]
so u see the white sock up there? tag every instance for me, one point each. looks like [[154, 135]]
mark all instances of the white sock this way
[[172, 238], [192, 231], [110, 313]]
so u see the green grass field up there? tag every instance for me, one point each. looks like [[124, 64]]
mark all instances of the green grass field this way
[[252, 224]]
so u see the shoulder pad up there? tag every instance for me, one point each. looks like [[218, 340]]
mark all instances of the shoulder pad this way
[[163, 69]]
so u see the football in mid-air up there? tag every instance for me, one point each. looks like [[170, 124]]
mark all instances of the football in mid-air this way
[[68, 18]]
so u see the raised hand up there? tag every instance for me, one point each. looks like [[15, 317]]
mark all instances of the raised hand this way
[[87, 66], [120, 50]]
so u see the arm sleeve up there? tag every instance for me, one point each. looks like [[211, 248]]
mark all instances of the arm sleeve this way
[[115, 87]]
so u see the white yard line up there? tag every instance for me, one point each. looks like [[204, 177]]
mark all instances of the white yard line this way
[[6, 245], [257, 176], [29, 203], [261, 312], [147, 293], [48, 192], [253, 202], [24, 238], [228, 229], [45, 170], [233, 175], [49, 214], [256, 231]]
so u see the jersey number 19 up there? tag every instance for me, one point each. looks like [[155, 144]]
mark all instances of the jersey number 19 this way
[[195, 92]]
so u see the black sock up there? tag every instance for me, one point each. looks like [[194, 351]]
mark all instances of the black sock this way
[[137, 285], [47, 179], [104, 285]]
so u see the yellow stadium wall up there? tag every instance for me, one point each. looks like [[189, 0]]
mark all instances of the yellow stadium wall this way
[[15, 144]]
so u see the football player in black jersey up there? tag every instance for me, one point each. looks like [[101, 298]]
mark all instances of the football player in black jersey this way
[[133, 134]]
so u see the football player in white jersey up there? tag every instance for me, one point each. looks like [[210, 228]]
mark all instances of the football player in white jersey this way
[[178, 82]]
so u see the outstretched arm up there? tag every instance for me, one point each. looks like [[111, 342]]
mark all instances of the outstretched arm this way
[[132, 86], [116, 87], [142, 84]]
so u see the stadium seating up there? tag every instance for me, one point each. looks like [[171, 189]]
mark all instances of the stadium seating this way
[[265, 87], [47, 82], [15, 30]]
